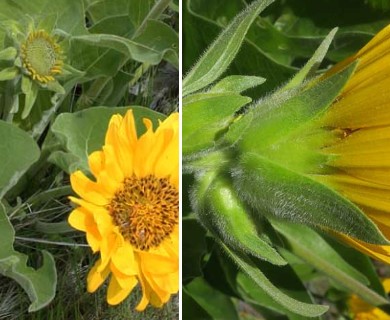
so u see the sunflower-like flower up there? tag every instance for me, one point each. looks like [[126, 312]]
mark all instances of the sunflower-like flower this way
[[129, 212], [34, 60], [361, 310], [359, 153], [320, 153]]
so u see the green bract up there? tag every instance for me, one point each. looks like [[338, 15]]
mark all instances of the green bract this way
[[222, 212]]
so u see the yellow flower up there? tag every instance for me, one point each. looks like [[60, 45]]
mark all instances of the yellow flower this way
[[361, 310], [129, 211], [359, 153]]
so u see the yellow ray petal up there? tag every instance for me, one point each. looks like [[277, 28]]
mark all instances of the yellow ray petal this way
[[129, 129], [368, 75], [80, 219], [381, 253], [362, 160], [367, 140], [168, 160], [96, 162], [121, 277], [146, 292], [145, 146], [108, 247], [124, 260], [88, 189], [100, 215], [116, 293], [122, 148], [156, 301], [381, 219], [111, 164], [93, 238], [96, 278], [353, 109], [164, 285], [155, 264], [155, 154], [374, 175], [375, 198]]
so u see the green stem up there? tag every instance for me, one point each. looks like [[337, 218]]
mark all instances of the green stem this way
[[57, 243], [154, 13], [343, 278], [327, 266]]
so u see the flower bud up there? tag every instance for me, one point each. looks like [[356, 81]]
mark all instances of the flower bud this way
[[228, 219]]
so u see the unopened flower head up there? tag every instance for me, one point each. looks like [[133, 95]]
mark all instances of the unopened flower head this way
[[41, 56], [320, 152]]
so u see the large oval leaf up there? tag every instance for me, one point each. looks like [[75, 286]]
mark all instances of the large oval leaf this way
[[18, 151], [83, 132]]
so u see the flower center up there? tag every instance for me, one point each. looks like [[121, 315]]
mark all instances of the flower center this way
[[41, 56], [146, 210]]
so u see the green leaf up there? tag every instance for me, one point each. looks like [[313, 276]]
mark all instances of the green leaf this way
[[136, 10], [221, 53], [8, 73], [191, 310], [151, 46], [295, 306], [204, 115], [18, 151], [55, 87], [309, 246], [236, 84], [8, 53], [379, 4], [314, 62], [213, 301], [254, 294], [129, 20], [162, 39], [68, 162], [277, 192], [69, 14], [30, 97], [203, 20], [155, 12], [83, 132], [40, 284]]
